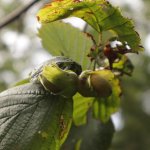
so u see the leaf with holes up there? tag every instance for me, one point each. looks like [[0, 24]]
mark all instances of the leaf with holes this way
[[62, 39], [100, 14], [32, 118]]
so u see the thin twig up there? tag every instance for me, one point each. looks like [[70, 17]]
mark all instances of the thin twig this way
[[16, 14]]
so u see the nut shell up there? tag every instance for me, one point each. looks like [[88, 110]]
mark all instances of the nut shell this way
[[100, 85]]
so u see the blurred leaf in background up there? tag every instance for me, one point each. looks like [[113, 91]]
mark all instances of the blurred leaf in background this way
[[135, 109], [20, 49]]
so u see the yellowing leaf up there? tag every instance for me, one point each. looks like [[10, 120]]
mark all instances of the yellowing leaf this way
[[100, 14], [123, 66]]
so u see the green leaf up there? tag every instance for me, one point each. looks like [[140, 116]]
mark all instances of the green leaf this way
[[62, 39], [100, 14], [33, 119], [100, 110], [78, 144], [80, 108], [104, 107]]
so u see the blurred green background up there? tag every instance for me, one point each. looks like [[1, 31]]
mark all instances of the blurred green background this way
[[21, 51]]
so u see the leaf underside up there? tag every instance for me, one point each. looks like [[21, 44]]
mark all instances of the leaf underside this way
[[31, 118], [62, 39], [100, 14]]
